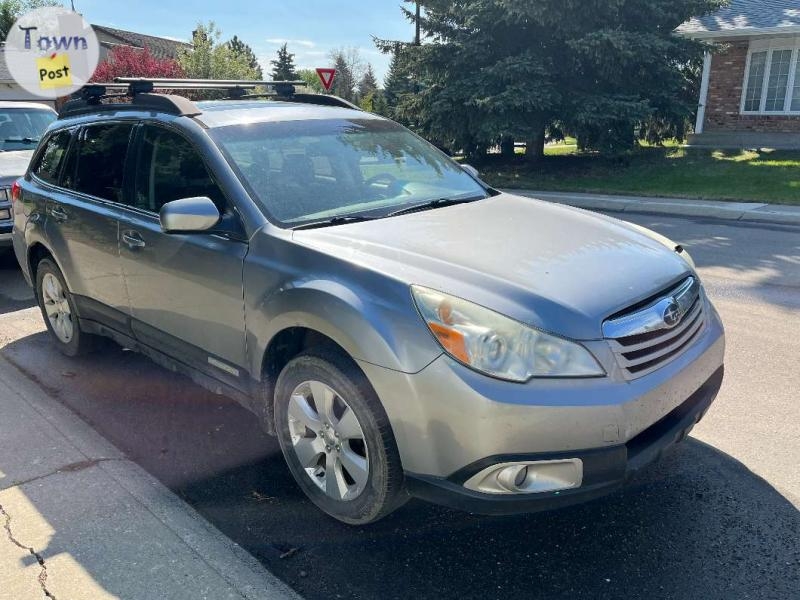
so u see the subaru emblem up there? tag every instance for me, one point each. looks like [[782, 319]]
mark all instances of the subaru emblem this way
[[672, 314]]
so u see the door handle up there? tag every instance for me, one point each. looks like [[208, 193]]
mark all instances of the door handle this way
[[59, 214], [133, 240]]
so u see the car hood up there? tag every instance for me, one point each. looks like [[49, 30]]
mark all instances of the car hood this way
[[14, 163], [561, 269]]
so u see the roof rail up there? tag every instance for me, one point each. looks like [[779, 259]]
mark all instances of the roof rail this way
[[141, 92]]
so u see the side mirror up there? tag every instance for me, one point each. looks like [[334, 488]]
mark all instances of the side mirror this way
[[189, 215], [472, 171]]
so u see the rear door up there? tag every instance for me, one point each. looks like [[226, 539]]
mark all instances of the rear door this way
[[82, 219], [185, 290]]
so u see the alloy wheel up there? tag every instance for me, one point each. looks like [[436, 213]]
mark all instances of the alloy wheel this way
[[57, 308], [328, 440]]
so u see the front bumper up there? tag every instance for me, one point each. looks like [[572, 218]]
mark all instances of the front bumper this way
[[604, 469], [448, 420]]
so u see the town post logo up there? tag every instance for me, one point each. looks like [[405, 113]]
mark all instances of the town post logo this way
[[51, 52]]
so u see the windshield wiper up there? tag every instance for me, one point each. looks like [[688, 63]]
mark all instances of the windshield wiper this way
[[431, 204], [342, 220]]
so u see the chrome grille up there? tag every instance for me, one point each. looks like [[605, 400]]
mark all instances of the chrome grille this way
[[643, 341]]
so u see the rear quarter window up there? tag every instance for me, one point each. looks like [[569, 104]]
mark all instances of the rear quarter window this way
[[48, 164]]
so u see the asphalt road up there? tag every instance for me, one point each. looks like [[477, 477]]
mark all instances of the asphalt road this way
[[716, 518]]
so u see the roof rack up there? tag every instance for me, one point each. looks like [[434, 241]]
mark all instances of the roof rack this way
[[142, 96]]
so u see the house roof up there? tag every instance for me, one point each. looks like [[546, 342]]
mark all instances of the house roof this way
[[745, 18], [159, 47]]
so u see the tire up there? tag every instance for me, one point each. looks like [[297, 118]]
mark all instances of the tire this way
[[64, 329], [375, 487]]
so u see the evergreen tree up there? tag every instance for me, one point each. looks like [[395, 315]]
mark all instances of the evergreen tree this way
[[343, 82], [350, 68], [396, 84], [368, 83], [239, 48], [283, 66], [495, 67]]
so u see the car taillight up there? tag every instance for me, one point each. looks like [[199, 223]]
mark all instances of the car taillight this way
[[16, 190]]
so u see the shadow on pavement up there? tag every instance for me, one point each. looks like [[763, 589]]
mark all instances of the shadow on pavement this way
[[768, 266], [15, 294], [696, 525]]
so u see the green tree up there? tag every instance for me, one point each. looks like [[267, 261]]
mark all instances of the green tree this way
[[312, 80], [397, 82], [11, 10], [374, 102], [283, 66], [500, 67], [368, 83], [207, 58], [239, 48], [350, 68]]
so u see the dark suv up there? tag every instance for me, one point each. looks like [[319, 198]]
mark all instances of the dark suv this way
[[400, 326]]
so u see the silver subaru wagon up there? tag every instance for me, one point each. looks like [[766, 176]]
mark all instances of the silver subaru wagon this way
[[403, 328]]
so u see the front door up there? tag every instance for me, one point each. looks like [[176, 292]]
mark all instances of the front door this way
[[185, 290]]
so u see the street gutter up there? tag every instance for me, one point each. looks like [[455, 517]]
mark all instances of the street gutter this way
[[735, 211]]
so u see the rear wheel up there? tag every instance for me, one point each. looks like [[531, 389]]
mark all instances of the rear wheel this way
[[58, 310], [336, 438]]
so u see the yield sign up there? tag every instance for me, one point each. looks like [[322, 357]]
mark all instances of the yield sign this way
[[326, 77]]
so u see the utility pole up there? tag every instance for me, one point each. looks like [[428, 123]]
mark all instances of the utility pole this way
[[417, 39]]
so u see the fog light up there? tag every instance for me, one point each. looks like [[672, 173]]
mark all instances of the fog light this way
[[528, 477]]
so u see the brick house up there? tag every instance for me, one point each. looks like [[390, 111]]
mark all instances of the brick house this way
[[750, 91]]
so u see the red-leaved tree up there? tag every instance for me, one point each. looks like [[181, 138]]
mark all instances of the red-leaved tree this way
[[127, 61]]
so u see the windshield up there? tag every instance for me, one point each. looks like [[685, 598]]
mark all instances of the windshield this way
[[306, 171], [21, 128]]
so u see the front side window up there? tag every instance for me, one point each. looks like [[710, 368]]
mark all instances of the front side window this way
[[100, 158], [48, 165], [21, 128], [306, 171], [169, 168]]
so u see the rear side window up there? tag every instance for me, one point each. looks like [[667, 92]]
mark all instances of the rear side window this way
[[48, 166], [100, 168], [169, 168]]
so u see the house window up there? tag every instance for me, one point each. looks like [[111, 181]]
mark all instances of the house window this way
[[755, 81], [772, 79], [795, 106], [778, 79]]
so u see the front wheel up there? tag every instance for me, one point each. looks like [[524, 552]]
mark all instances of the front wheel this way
[[336, 438]]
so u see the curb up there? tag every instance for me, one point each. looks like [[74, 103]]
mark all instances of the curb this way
[[204, 544], [755, 212]]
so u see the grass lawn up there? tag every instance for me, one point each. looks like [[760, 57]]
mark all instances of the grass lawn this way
[[764, 176]]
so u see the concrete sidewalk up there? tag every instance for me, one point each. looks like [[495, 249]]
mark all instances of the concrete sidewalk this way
[[737, 211], [79, 520]]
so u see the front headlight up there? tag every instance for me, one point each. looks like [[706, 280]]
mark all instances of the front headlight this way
[[497, 345]]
